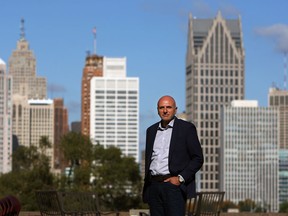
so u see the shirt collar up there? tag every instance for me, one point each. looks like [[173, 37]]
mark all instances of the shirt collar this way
[[170, 125]]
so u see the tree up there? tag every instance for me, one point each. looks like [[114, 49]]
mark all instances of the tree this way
[[77, 149], [116, 179], [284, 207], [30, 172], [247, 205], [227, 204]]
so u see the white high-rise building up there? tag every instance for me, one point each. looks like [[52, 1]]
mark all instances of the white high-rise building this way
[[5, 119], [41, 123], [114, 117], [249, 154]]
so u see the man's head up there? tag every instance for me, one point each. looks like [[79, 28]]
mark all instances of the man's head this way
[[166, 109]]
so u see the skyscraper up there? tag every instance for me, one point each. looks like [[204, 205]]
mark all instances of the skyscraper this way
[[41, 123], [279, 98], [114, 119], [5, 119], [26, 85], [93, 68], [22, 67], [215, 64], [33, 114], [249, 154]]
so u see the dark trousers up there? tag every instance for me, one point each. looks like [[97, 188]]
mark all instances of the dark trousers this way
[[166, 199]]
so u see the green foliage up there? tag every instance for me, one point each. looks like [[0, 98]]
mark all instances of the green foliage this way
[[227, 204], [114, 177], [284, 207], [30, 172], [76, 148], [247, 205]]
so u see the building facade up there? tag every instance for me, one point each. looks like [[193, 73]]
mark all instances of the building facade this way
[[279, 98], [283, 175], [249, 154], [114, 119], [20, 120], [61, 127], [215, 72], [33, 114], [93, 68], [6, 144], [22, 67], [41, 123]]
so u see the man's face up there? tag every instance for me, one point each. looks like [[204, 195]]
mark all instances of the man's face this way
[[166, 109]]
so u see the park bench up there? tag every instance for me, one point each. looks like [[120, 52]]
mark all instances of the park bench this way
[[204, 204], [54, 203], [9, 206]]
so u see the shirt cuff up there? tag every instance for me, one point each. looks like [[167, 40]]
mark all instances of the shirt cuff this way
[[182, 180]]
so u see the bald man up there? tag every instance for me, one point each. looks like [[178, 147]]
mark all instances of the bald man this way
[[173, 155]]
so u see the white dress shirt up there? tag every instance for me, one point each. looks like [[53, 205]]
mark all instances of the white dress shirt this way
[[160, 154]]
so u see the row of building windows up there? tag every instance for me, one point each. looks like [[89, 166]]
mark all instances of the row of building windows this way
[[113, 97], [217, 73], [278, 100], [115, 92], [218, 82], [219, 90]]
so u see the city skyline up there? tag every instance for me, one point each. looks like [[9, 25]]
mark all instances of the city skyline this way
[[153, 38]]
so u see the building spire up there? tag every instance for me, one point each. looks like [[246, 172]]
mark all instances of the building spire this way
[[22, 30], [94, 39]]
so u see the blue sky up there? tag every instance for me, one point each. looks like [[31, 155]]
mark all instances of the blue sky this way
[[151, 34]]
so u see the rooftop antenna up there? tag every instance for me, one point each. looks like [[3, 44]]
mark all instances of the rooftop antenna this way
[[94, 35], [285, 70], [22, 30]]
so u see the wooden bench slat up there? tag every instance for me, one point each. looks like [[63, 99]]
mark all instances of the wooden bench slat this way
[[205, 204]]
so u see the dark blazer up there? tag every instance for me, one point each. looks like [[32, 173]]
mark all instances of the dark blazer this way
[[185, 155]]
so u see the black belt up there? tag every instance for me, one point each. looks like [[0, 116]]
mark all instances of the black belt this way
[[159, 178]]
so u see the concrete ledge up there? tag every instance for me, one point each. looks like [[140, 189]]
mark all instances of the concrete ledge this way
[[135, 211]]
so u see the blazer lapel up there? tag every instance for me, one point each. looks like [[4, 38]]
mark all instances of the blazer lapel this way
[[173, 140], [152, 137]]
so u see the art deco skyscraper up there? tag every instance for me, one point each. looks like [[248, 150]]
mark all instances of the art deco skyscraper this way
[[26, 85], [22, 67], [215, 64], [5, 120], [93, 68], [33, 114]]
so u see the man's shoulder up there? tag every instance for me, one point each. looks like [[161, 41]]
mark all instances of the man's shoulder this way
[[155, 125], [184, 122]]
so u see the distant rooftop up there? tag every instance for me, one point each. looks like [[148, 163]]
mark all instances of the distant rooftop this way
[[2, 62], [40, 101], [244, 103]]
